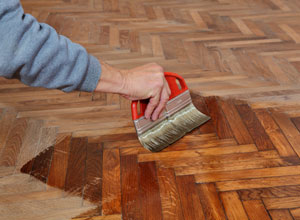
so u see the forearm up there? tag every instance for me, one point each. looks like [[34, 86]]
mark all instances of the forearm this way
[[38, 56]]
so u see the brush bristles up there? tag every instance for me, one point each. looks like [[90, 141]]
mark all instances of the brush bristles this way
[[172, 128]]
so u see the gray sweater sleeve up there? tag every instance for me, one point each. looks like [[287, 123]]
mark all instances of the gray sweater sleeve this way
[[34, 53]]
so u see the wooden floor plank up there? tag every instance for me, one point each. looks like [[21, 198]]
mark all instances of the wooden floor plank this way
[[79, 154], [189, 197], [210, 201], [256, 130], [149, 191], [171, 206], [10, 152], [282, 203], [237, 126], [233, 205], [296, 213], [256, 210], [111, 188], [281, 214], [93, 174], [7, 118], [131, 204], [289, 130], [75, 177], [258, 183], [273, 192], [217, 116], [279, 141], [59, 164]]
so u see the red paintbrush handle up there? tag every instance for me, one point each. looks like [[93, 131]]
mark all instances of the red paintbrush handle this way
[[175, 91]]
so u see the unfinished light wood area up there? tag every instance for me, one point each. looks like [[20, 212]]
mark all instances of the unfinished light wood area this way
[[76, 155]]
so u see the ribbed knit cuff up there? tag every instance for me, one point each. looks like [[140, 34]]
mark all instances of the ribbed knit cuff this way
[[90, 82]]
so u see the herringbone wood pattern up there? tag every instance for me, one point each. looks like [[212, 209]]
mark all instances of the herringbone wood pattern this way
[[241, 59]]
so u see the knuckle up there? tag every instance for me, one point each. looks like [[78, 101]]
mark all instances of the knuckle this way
[[159, 83], [165, 100], [157, 67]]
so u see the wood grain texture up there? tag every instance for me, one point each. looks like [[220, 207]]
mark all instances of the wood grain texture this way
[[59, 164], [131, 204], [256, 130], [149, 191], [237, 126], [111, 188], [233, 206], [210, 201], [189, 197], [41, 165], [93, 173], [279, 141], [13, 145], [282, 214], [170, 200], [256, 210], [79, 154], [76, 166], [217, 116]]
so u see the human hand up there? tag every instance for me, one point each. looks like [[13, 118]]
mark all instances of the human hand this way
[[147, 82], [143, 82]]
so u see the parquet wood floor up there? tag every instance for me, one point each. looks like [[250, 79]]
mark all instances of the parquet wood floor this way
[[76, 156]]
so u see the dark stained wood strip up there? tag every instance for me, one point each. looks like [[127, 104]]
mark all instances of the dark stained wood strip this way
[[93, 174], [149, 191], [199, 103], [296, 121], [75, 177], [27, 167], [236, 124], [189, 197], [256, 210], [111, 187], [210, 201], [131, 204], [217, 116], [255, 129], [59, 164], [41, 165], [171, 206], [279, 140]]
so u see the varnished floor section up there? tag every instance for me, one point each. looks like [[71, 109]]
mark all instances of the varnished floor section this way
[[76, 155]]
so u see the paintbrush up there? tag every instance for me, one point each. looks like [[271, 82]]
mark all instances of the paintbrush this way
[[179, 118]]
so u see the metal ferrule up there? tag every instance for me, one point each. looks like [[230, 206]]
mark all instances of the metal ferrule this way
[[174, 105], [179, 102], [142, 124]]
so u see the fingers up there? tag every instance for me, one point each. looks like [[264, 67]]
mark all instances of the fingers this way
[[164, 98], [154, 101]]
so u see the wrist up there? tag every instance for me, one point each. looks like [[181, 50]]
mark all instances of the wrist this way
[[112, 80]]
